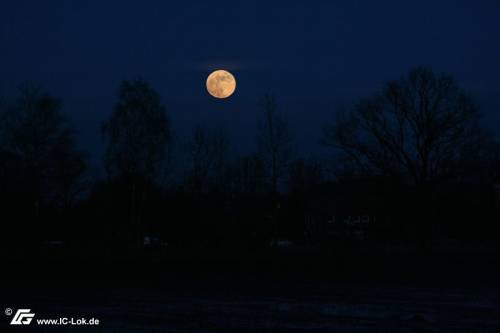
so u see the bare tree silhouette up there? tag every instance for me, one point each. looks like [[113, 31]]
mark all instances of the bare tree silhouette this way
[[42, 173], [247, 174], [138, 137], [37, 135], [138, 132], [207, 153], [274, 140], [418, 128]]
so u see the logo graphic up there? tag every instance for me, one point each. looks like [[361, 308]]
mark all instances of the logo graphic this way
[[22, 317]]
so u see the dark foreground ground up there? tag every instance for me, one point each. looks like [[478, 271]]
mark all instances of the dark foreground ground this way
[[301, 308], [435, 295]]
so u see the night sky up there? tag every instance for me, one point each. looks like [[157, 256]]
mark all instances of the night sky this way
[[315, 56]]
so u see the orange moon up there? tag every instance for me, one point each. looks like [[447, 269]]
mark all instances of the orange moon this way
[[221, 84]]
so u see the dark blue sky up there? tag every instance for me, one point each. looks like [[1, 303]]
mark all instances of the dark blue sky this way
[[314, 55]]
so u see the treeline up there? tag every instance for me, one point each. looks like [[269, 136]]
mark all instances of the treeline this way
[[410, 165]]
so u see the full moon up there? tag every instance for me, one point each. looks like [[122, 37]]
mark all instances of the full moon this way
[[221, 84]]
